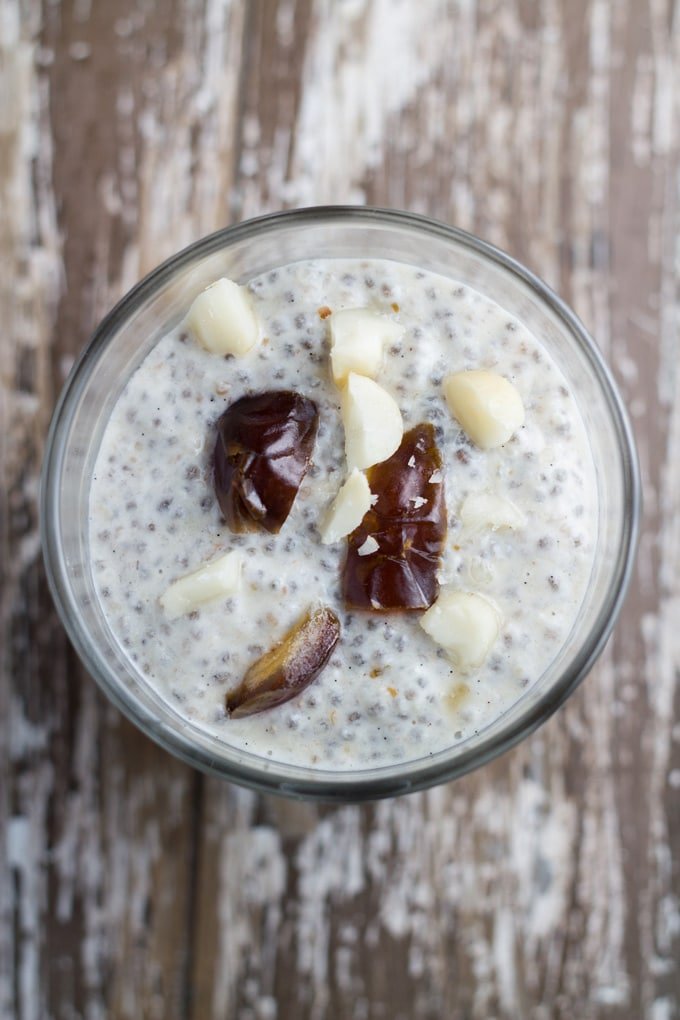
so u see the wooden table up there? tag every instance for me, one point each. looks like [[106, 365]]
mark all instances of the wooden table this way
[[545, 885]]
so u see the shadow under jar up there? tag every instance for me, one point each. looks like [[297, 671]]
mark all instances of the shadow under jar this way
[[254, 250]]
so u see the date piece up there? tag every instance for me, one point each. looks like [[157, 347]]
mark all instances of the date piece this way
[[394, 554], [263, 449], [292, 665]]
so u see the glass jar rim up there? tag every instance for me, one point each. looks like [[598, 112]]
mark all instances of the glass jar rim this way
[[302, 781]]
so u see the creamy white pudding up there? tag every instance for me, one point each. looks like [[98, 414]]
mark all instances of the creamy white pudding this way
[[521, 521]]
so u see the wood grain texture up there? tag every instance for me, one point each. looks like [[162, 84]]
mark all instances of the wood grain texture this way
[[544, 886]]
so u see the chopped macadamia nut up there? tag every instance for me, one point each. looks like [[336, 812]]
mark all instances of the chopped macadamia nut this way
[[214, 580], [348, 509], [464, 624], [372, 420], [488, 407], [222, 319], [358, 338], [487, 510]]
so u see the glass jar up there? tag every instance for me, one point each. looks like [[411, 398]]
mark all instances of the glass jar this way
[[240, 252]]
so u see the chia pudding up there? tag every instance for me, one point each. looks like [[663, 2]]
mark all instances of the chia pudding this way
[[388, 693]]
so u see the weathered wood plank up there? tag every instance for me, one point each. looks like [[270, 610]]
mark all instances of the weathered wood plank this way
[[29, 249], [122, 830], [545, 885], [99, 828]]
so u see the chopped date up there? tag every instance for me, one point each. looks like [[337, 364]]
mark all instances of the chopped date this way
[[263, 449], [408, 522], [289, 667]]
